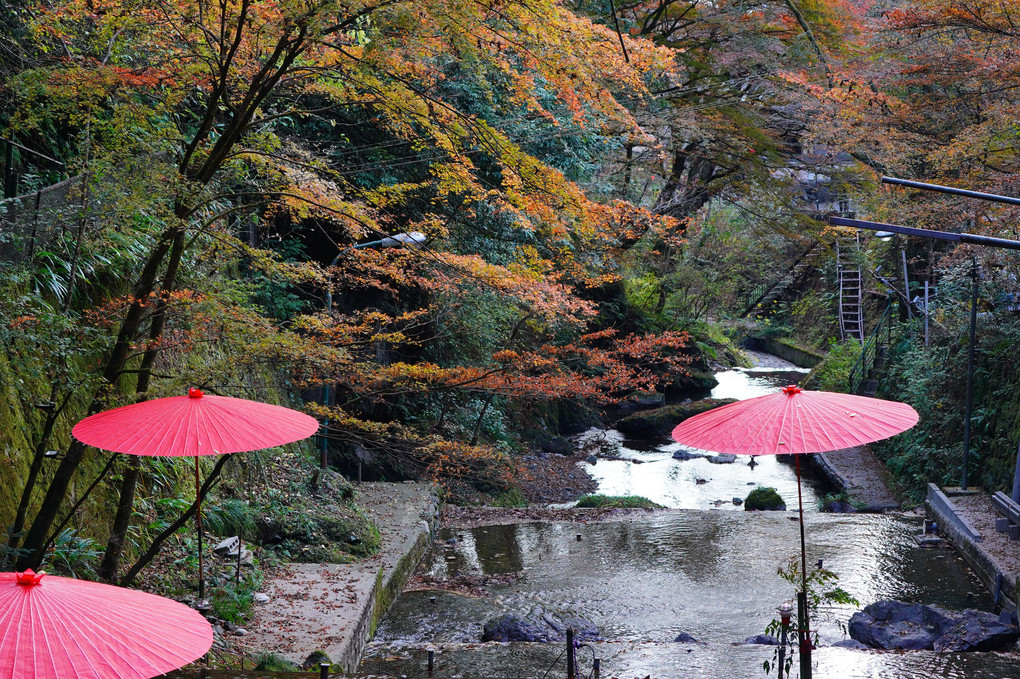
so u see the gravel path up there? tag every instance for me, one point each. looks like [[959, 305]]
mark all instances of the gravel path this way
[[979, 513]]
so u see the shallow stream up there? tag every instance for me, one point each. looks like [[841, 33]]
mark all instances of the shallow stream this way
[[645, 579], [647, 468]]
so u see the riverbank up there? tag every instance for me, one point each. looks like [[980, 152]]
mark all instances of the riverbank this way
[[334, 608]]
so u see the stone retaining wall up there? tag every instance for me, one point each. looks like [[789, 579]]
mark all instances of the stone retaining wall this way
[[389, 583], [967, 541], [803, 358]]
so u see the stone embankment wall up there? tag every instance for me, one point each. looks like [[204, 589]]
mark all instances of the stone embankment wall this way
[[967, 541]]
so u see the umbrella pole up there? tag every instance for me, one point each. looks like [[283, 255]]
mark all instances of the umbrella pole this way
[[198, 530], [804, 630]]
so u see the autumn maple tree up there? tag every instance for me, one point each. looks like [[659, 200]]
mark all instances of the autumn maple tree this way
[[217, 135]]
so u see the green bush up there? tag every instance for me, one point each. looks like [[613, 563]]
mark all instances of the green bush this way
[[512, 497], [616, 502], [230, 517], [834, 373], [270, 662], [764, 499]]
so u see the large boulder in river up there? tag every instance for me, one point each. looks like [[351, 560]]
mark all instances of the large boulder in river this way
[[538, 625], [659, 423], [977, 631], [894, 625]]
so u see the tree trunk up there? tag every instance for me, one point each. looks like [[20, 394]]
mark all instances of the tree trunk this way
[[37, 534], [125, 505]]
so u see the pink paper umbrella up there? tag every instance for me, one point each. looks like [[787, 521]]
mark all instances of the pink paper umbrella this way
[[193, 425], [796, 422], [61, 628]]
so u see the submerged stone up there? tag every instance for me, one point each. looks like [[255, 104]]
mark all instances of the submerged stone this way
[[763, 639], [539, 626]]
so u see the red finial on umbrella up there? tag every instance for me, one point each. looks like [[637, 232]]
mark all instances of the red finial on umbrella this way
[[195, 393], [792, 389], [30, 578]]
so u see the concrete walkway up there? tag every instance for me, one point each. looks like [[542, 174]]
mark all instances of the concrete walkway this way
[[335, 607], [862, 475]]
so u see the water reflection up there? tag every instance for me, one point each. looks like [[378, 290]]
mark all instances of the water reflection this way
[[709, 574], [709, 661]]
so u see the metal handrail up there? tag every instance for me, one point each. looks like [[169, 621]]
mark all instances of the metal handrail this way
[[869, 351], [762, 290]]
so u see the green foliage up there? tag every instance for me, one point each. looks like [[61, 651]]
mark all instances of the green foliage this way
[[616, 502], [74, 555], [815, 319], [839, 496], [310, 532], [232, 600], [763, 499], [9, 555], [512, 497], [271, 662], [933, 380], [834, 373], [280, 299], [823, 594], [229, 517]]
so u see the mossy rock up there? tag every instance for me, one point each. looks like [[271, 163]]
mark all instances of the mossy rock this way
[[659, 423], [617, 502], [764, 499], [315, 659], [330, 484], [695, 384]]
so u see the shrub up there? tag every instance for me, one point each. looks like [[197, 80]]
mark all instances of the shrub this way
[[764, 499], [617, 502]]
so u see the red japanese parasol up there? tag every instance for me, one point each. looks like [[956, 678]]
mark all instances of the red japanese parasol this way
[[193, 425], [796, 422], [196, 424], [61, 628]]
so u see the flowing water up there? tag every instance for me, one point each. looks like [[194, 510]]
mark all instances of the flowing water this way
[[645, 579], [647, 468]]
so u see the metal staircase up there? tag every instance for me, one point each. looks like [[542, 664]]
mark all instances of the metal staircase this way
[[851, 293], [863, 378], [762, 295]]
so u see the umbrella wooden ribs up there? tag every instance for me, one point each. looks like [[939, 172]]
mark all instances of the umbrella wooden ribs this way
[[796, 422]]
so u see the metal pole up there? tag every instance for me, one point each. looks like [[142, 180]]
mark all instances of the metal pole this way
[[804, 624], [785, 610], [906, 283], [949, 189], [970, 373], [596, 670], [926, 233], [198, 530], [323, 670], [1016, 477], [432, 661], [570, 653], [926, 298]]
